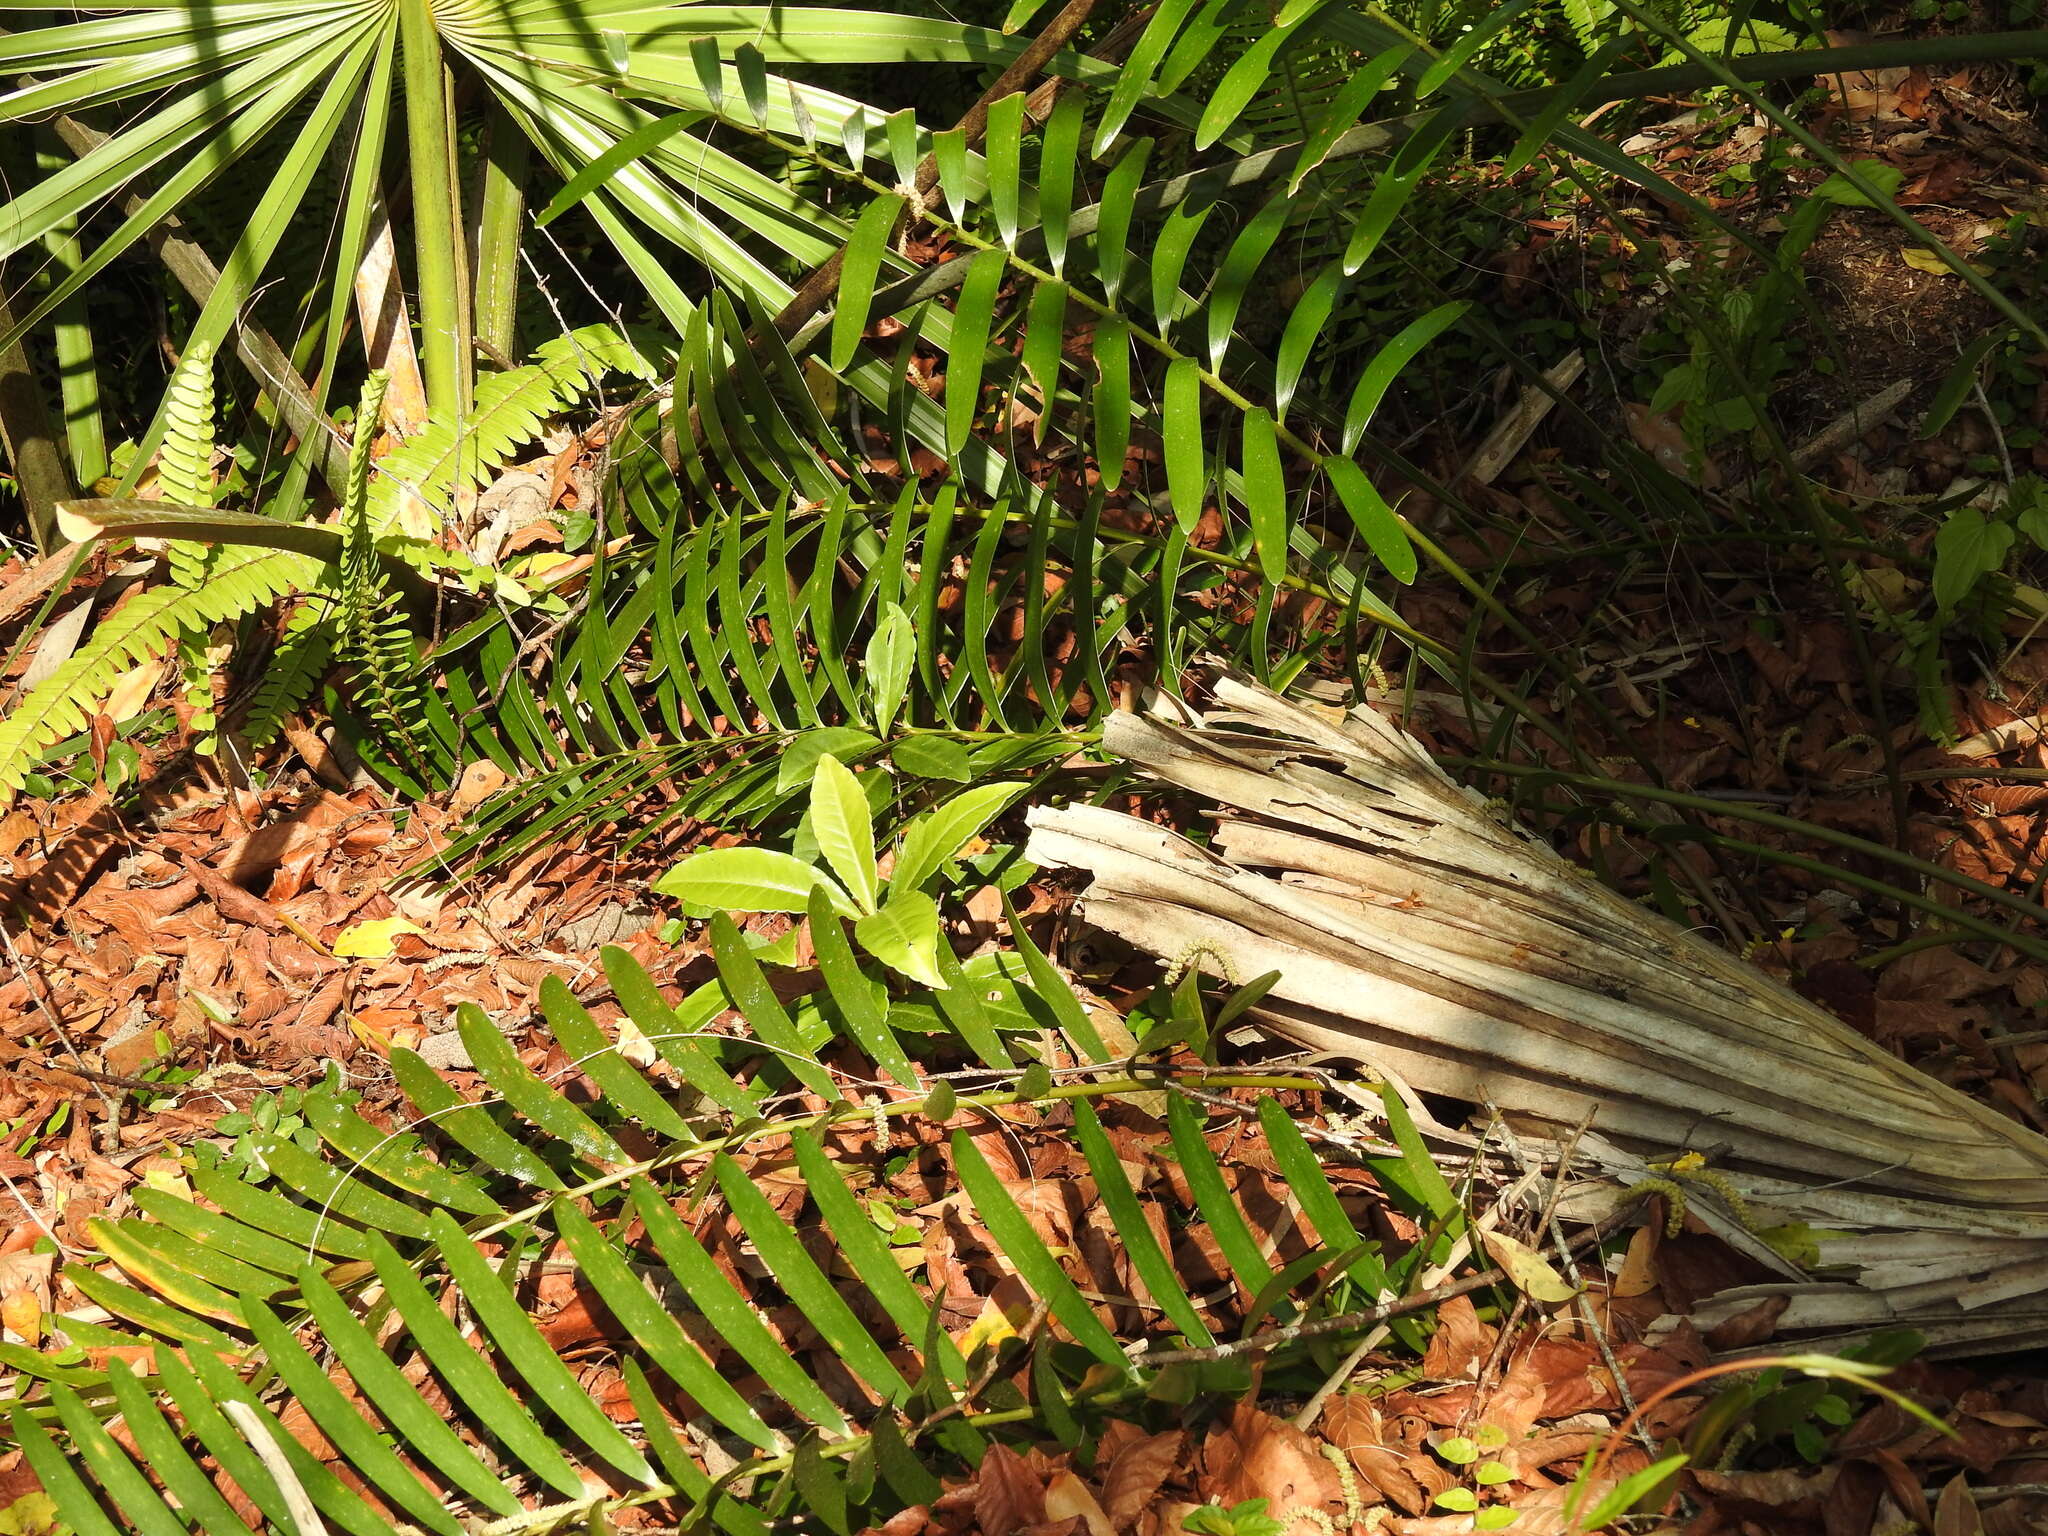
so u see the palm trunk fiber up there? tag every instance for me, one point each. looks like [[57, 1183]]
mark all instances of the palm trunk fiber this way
[[1414, 929]]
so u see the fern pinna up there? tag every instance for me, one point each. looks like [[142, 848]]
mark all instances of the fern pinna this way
[[373, 636], [372, 1283], [184, 475]]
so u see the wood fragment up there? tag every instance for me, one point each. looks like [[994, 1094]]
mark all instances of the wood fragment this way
[[1512, 432]]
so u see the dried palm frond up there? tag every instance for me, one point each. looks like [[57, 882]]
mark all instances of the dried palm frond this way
[[1414, 928]]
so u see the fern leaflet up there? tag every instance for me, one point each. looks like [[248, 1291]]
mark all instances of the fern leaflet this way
[[148, 624], [294, 672], [374, 638]]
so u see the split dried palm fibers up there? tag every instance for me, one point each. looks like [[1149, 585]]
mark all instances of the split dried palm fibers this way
[[1415, 928]]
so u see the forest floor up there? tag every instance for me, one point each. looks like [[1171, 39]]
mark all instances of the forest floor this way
[[223, 942]]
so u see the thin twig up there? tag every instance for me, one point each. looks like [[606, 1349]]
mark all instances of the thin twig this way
[[71, 1254], [1417, 1302], [1504, 1335], [63, 1035], [1040, 1310]]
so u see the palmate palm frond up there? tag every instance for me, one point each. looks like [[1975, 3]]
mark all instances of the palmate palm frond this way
[[328, 1266], [237, 86]]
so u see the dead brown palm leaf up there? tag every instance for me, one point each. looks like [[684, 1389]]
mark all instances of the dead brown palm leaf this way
[[1415, 928]]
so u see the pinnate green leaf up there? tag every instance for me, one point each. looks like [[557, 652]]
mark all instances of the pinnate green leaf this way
[[1187, 475], [971, 321], [1002, 149], [1374, 519], [933, 757], [891, 650], [859, 268], [1265, 491], [1240, 83], [799, 759], [1112, 349], [752, 67], [1387, 364], [614, 158]]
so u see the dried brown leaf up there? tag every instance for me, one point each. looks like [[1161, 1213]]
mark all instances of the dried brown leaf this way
[[1257, 1456], [1955, 1511], [1752, 1325], [1137, 1474], [1067, 1498], [1460, 1344], [1008, 1496]]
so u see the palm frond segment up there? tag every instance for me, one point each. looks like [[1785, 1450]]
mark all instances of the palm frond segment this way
[[372, 1281]]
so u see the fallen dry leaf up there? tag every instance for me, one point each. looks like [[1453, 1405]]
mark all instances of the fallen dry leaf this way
[[1068, 1498], [1137, 1474], [131, 691], [1955, 1511], [1459, 1345], [1257, 1456], [1007, 1495]]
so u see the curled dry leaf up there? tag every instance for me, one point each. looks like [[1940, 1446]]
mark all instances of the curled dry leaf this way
[[1257, 1456], [907, 1522], [479, 781], [1778, 1489], [1402, 1478], [1752, 1325], [1459, 1345], [1068, 1498]]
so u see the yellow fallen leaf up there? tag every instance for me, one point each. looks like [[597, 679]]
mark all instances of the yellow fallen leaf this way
[[376, 1039], [372, 940], [131, 691], [1638, 1273], [22, 1314], [1920, 259], [169, 1180], [995, 1324], [533, 567], [634, 1044], [2030, 599], [1529, 1270], [33, 1514]]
